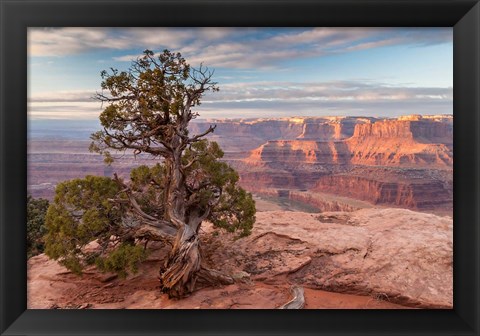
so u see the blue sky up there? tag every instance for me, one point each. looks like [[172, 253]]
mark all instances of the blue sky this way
[[262, 72]]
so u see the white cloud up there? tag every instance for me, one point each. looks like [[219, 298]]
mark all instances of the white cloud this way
[[64, 96], [64, 110], [271, 98], [228, 47], [325, 91], [68, 41]]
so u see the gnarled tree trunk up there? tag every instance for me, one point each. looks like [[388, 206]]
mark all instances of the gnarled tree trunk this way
[[180, 274]]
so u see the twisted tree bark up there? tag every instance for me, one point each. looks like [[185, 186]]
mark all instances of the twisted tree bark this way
[[179, 277], [298, 301]]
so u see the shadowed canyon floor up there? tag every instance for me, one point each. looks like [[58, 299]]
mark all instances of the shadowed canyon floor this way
[[372, 258]]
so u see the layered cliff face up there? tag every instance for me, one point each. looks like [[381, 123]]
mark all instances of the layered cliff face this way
[[423, 130], [354, 151], [391, 148], [331, 129], [395, 152], [327, 152], [426, 194], [402, 143], [300, 153], [245, 135], [406, 143]]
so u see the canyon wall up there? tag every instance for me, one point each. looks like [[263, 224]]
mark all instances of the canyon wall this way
[[365, 159], [412, 195], [294, 151], [245, 135], [369, 159], [384, 143], [330, 129], [402, 143], [422, 130]]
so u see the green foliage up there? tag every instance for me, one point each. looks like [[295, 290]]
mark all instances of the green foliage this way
[[150, 94], [125, 258], [81, 213], [149, 183], [36, 211], [144, 175], [235, 212], [235, 208]]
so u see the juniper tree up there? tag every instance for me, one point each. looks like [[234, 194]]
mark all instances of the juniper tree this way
[[147, 111]]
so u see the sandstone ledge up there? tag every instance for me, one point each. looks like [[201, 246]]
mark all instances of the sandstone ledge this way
[[391, 256], [400, 255]]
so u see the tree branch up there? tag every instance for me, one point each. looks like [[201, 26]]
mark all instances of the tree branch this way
[[165, 226], [196, 138], [101, 97]]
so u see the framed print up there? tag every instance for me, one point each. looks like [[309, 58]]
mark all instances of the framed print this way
[[246, 158]]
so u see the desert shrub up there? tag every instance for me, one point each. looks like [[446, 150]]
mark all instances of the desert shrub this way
[[36, 212]]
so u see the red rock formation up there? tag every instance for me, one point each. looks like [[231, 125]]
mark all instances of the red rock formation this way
[[379, 252], [412, 195], [409, 142], [331, 129], [294, 151], [246, 135], [402, 143], [387, 143], [422, 130], [290, 153]]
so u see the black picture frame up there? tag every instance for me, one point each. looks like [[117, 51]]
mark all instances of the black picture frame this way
[[17, 15]]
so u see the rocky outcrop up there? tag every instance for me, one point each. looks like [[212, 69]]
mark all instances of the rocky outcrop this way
[[421, 130], [331, 129], [416, 143], [382, 256], [390, 254], [427, 194], [305, 151], [406, 143]]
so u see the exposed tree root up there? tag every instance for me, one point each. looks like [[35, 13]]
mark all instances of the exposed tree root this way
[[180, 275], [298, 301], [212, 277]]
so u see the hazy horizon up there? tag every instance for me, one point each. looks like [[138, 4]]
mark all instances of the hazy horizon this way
[[81, 129]]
